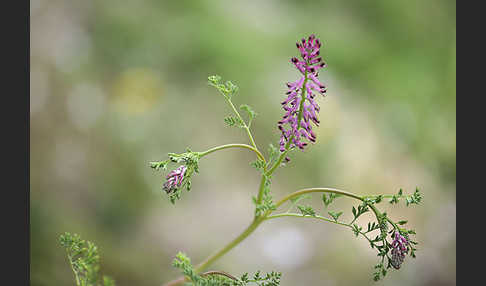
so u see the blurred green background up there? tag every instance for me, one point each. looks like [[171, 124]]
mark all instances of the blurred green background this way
[[116, 84]]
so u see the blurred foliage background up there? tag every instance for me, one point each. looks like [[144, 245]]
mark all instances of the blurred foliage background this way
[[115, 85]]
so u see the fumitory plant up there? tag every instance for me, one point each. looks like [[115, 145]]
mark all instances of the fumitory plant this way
[[391, 240], [84, 260], [387, 236]]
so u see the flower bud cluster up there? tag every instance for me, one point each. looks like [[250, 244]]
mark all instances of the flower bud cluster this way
[[300, 106], [174, 179], [399, 249]]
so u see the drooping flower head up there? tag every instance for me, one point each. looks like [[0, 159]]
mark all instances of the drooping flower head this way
[[174, 179], [399, 249], [300, 106]]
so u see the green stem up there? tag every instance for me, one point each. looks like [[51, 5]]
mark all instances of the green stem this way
[[317, 190], [260, 156], [299, 215], [214, 272], [261, 188], [256, 222], [72, 268], [315, 217]]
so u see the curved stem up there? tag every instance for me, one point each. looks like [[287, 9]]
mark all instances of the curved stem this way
[[317, 190], [315, 217], [256, 222], [260, 156], [299, 215], [214, 272]]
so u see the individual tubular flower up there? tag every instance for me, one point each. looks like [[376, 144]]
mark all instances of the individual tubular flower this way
[[174, 179], [399, 249], [299, 115]]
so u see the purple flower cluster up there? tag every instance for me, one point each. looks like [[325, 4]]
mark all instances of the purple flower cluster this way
[[174, 179], [399, 249], [308, 66]]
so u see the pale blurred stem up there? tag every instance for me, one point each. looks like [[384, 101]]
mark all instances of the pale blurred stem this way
[[317, 190], [256, 222], [222, 147], [299, 118]]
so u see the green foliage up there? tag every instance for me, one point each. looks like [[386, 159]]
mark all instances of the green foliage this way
[[356, 229], [297, 199], [228, 90], [183, 263], [269, 279], [380, 271], [335, 215], [84, 260], [249, 111], [307, 210], [217, 278], [157, 165], [190, 160], [267, 201], [273, 153], [372, 226], [383, 225], [361, 210], [258, 164], [234, 121], [415, 198], [264, 206], [327, 201]]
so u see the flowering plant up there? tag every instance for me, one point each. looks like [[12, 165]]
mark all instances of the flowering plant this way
[[387, 236]]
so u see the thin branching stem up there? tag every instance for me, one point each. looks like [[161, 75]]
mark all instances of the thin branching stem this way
[[304, 216], [215, 272], [222, 147], [316, 217], [316, 190]]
